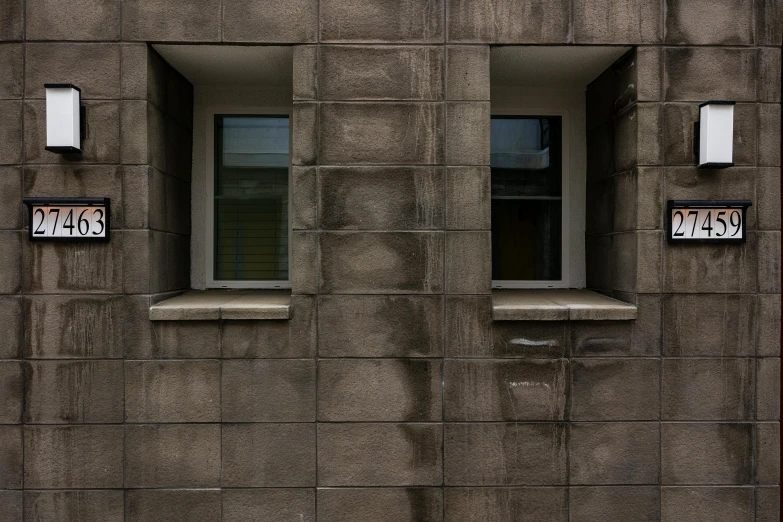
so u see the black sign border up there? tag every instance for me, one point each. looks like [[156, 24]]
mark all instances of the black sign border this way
[[706, 203], [81, 202]]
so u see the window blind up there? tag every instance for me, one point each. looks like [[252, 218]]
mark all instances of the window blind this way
[[251, 197]]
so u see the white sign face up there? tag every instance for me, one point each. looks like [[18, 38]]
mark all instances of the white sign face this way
[[707, 223], [68, 222]]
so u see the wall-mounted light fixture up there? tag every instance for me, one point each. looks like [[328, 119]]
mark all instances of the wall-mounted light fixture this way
[[713, 135], [64, 118]]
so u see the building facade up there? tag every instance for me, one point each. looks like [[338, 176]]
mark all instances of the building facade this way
[[389, 372]]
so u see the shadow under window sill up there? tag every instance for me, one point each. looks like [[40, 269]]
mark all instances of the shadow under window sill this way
[[213, 305], [558, 305]]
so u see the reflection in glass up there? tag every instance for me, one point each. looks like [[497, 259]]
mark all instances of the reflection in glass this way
[[527, 193], [251, 198]]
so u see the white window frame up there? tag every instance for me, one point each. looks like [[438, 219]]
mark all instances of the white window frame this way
[[564, 281], [209, 229]]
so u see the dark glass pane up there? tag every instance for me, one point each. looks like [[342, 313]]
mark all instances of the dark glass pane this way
[[251, 198], [527, 191]]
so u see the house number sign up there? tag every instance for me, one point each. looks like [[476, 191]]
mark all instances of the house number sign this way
[[708, 221], [68, 219]]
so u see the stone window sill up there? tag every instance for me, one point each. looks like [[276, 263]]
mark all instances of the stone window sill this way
[[558, 305], [213, 305]]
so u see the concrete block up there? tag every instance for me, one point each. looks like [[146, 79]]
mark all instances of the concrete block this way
[[381, 133], [768, 198], [505, 503], [612, 338], [11, 259], [269, 22], [482, 390], [706, 453], [134, 146], [269, 455], [287, 388], [769, 23], [467, 133], [614, 453], [304, 139], [11, 208], [305, 263], [769, 261], [710, 23], [239, 505], [379, 390], [171, 20], [172, 391], [305, 72], [721, 504], [348, 454], [380, 504], [73, 457], [276, 339], [381, 21], [11, 457], [615, 389], [11, 132], [707, 389], [12, 20], [304, 187], [12, 63], [101, 143], [768, 82], [617, 21], [52, 267], [693, 183], [768, 389], [508, 21], [11, 313], [649, 73], [376, 262], [767, 504], [172, 455], [467, 72], [63, 392], [173, 505], [710, 325], [505, 454], [381, 198], [709, 73], [768, 343], [380, 326], [614, 503], [690, 270], [468, 203], [769, 135], [88, 505], [72, 20], [768, 453], [94, 68], [78, 181], [380, 73], [11, 503], [468, 263]]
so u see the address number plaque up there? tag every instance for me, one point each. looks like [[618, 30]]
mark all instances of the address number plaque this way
[[68, 219], [707, 221]]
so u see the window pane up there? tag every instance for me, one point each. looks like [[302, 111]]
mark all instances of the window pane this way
[[251, 198], [527, 191]]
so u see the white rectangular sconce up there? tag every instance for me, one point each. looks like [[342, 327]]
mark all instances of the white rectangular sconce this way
[[64, 118], [714, 135]]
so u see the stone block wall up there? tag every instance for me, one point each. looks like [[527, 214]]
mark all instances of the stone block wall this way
[[390, 394]]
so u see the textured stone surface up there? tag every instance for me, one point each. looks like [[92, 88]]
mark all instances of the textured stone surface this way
[[768, 389], [468, 198], [269, 22], [380, 73], [12, 65], [467, 133], [686, 70], [11, 457], [348, 454], [505, 504], [488, 454], [94, 68], [374, 133], [718, 504], [617, 21], [173, 505], [709, 23], [468, 268], [378, 198], [706, 453], [380, 504], [507, 21], [482, 390], [614, 453], [85, 505], [48, 20], [170, 20], [467, 73], [611, 389], [614, 503], [381, 21], [268, 505]]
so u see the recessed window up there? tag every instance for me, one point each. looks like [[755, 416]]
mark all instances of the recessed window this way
[[250, 207], [528, 188]]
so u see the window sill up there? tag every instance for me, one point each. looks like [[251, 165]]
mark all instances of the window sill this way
[[213, 305], [558, 305]]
